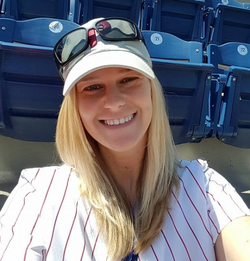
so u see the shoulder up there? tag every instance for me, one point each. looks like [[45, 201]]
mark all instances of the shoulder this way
[[201, 174], [197, 178], [30, 174], [194, 174], [51, 182], [47, 184], [48, 176], [40, 189], [196, 167], [206, 189]]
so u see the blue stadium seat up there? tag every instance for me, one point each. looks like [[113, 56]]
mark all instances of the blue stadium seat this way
[[182, 18], [25, 9], [232, 62], [146, 14], [186, 81], [230, 22], [30, 87], [130, 9], [39, 31]]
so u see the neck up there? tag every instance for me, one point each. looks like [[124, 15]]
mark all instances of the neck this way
[[125, 168]]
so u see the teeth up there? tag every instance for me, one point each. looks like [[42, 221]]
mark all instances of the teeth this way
[[122, 120], [116, 122], [119, 121]]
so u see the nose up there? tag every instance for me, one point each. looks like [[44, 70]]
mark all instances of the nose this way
[[114, 98]]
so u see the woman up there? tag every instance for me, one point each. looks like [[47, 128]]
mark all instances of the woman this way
[[121, 193]]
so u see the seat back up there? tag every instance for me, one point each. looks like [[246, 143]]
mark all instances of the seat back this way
[[39, 31], [215, 3], [167, 46], [182, 18], [233, 61], [24, 9], [130, 9], [227, 55], [231, 22]]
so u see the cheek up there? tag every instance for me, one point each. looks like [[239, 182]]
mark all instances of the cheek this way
[[146, 98], [143, 93], [86, 111]]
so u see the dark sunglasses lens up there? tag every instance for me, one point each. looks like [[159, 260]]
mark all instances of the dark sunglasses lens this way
[[116, 29], [71, 45]]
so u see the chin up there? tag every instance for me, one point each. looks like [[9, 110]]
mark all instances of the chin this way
[[126, 146]]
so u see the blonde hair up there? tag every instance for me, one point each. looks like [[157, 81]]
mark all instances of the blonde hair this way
[[113, 211]]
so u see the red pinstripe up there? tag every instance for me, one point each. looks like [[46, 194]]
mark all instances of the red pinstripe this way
[[197, 182], [84, 230], [45, 198], [191, 227], [13, 226], [179, 236], [194, 205], [154, 253], [168, 245], [93, 250], [199, 163], [213, 222], [219, 205], [229, 196], [43, 255], [53, 231], [74, 219], [20, 188], [26, 250]]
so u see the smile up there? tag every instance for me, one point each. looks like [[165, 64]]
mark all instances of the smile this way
[[119, 121]]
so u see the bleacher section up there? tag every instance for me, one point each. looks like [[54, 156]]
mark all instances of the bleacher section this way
[[199, 48]]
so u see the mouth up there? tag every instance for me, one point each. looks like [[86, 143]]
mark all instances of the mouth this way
[[118, 121]]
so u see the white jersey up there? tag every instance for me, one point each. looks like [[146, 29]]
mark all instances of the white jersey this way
[[45, 218]]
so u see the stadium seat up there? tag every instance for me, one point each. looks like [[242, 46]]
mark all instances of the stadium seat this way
[[130, 9], [146, 14], [186, 81], [182, 18], [39, 31], [30, 87], [23, 9], [232, 61], [230, 21]]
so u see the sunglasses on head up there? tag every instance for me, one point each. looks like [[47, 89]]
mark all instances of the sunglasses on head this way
[[77, 41]]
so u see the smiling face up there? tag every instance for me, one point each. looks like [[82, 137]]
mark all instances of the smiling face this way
[[115, 107]]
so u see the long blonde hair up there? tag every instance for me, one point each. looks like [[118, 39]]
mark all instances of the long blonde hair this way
[[113, 211]]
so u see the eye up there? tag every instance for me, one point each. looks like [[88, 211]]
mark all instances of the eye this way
[[128, 79], [92, 87]]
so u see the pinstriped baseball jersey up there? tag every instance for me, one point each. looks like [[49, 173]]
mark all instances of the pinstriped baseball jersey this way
[[45, 218]]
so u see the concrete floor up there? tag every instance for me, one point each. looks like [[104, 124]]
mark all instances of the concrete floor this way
[[233, 163]]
